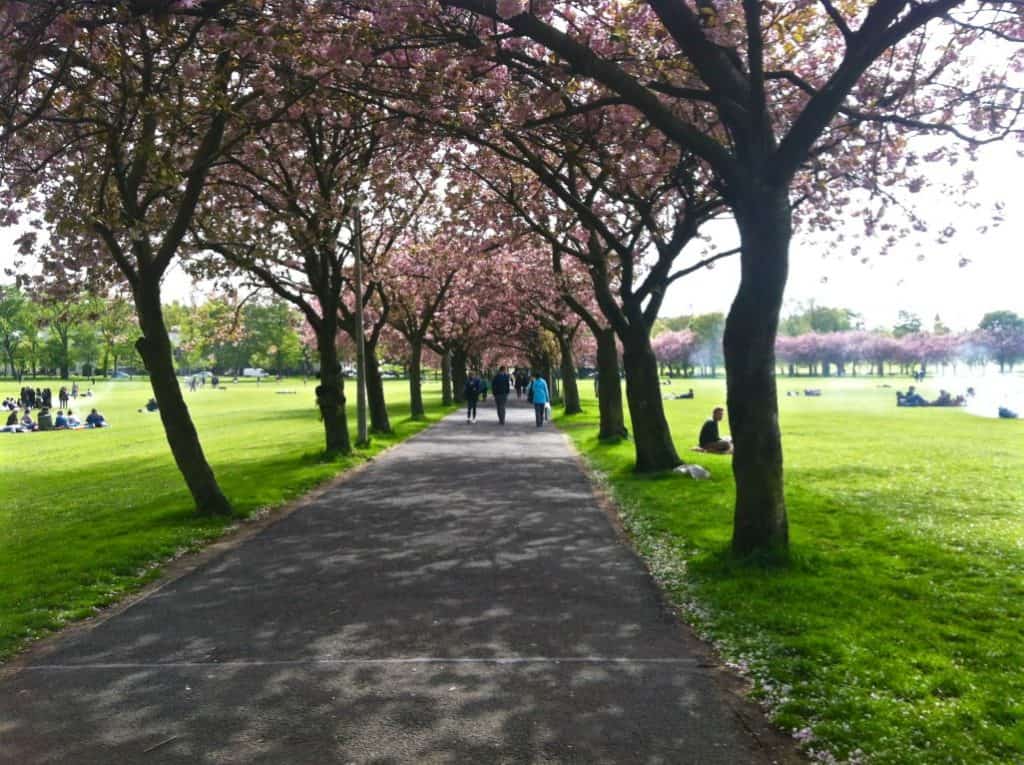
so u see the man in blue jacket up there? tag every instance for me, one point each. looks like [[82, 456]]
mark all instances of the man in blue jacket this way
[[539, 395], [500, 387]]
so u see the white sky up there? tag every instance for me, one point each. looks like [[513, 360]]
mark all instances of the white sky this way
[[879, 289], [994, 278]]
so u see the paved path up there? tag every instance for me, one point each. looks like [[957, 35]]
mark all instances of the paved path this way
[[462, 600]]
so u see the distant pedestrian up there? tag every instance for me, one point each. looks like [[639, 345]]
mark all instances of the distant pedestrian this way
[[500, 387], [521, 382], [537, 394], [472, 391]]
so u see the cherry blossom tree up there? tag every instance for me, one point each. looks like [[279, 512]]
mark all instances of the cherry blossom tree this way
[[783, 103], [675, 348], [110, 127], [283, 212]]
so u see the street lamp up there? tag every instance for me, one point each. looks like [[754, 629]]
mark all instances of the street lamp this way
[[362, 437]]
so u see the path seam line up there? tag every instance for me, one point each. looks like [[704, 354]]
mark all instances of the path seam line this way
[[397, 661]]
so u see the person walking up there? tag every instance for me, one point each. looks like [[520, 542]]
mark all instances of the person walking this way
[[538, 395], [500, 387], [472, 391]]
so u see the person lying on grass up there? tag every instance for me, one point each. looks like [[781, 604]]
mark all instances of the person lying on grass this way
[[709, 439]]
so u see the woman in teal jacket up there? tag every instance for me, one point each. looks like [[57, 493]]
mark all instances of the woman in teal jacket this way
[[539, 395]]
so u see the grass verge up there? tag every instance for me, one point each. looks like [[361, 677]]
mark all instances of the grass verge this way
[[895, 634]]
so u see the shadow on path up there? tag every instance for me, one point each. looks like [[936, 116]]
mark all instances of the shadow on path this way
[[463, 600]]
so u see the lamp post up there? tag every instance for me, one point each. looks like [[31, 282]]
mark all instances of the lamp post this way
[[362, 438]]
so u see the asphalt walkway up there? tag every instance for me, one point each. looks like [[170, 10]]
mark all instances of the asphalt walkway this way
[[464, 599]]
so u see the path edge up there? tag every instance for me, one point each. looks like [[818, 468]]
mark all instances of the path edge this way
[[734, 688]]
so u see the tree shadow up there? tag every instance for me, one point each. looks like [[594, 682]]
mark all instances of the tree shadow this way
[[463, 599]]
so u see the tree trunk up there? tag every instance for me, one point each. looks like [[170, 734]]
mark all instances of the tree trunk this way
[[330, 396], [571, 391], [609, 389], [554, 389], [65, 357], [415, 380], [652, 439], [379, 420], [155, 349], [446, 379], [760, 524], [459, 360]]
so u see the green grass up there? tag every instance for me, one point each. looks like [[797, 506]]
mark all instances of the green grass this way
[[896, 635], [87, 516]]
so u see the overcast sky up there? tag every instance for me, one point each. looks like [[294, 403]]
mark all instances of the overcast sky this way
[[992, 279]]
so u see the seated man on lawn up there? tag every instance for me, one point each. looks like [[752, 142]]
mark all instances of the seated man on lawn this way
[[95, 420], [709, 439]]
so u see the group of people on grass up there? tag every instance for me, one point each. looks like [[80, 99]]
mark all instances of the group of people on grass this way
[[46, 420], [913, 398], [199, 381], [501, 385]]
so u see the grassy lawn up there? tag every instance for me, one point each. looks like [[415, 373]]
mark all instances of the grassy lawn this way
[[88, 515], [897, 633]]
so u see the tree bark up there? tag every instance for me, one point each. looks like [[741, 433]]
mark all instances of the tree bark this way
[[65, 356], [379, 420], [609, 388], [570, 389], [155, 349], [652, 439], [446, 379], [416, 410], [331, 391], [459, 360], [760, 523]]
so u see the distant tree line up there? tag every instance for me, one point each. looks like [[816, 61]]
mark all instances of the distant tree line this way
[[825, 341], [92, 335]]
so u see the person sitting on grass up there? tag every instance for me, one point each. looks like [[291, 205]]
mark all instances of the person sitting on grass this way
[[151, 405], [73, 422], [12, 418], [45, 419], [688, 394], [26, 421], [61, 422], [95, 420], [709, 439]]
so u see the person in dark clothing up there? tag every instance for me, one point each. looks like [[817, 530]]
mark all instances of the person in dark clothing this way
[[521, 383], [472, 391], [95, 420], [500, 387], [709, 439]]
